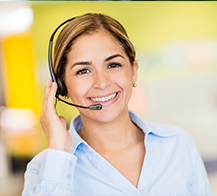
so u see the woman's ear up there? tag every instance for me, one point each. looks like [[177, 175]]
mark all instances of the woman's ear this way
[[135, 69]]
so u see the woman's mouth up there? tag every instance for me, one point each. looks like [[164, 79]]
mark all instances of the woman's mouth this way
[[105, 100]]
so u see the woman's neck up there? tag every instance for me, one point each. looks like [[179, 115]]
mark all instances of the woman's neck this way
[[111, 136]]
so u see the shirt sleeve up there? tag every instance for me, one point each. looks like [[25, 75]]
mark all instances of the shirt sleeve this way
[[201, 184], [50, 173]]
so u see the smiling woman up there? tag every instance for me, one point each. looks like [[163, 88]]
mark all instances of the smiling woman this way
[[112, 151]]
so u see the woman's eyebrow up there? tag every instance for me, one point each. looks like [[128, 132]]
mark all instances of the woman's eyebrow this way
[[81, 63], [89, 62], [113, 56]]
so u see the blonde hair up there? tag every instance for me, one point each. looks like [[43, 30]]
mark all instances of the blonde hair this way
[[87, 24]]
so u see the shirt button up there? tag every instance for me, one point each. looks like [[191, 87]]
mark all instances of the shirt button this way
[[70, 163], [68, 176]]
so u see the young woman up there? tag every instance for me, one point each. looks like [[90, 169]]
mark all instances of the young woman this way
[[111, 151]]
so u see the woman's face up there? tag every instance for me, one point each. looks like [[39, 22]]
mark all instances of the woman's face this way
[[99, 72]]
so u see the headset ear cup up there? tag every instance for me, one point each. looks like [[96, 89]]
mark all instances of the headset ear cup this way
[[62, 90]]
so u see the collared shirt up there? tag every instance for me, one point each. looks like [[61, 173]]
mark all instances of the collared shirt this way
[[172, 166]]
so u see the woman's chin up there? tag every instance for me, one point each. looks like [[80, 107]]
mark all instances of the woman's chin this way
[[106, 114]]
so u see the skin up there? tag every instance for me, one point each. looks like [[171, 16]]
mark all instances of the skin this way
[[97, 67]]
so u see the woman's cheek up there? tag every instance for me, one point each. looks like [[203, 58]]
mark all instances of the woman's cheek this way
[[125, 80], [79, 90]]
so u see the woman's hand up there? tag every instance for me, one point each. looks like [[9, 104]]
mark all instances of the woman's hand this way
[[54, 126]]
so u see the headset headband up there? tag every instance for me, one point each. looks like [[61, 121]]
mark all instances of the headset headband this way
[[60, 90]]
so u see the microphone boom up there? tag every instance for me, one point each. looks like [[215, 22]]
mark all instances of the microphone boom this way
[[91, 107]]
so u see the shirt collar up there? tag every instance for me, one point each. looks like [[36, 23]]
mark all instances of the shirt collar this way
[[158, 129], [75, 126]]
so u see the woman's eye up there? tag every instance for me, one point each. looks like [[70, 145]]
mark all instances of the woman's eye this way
[[83, 71], [113, 65]]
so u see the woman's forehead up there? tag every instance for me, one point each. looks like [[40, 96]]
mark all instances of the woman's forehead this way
[[96, 43], [95, 35]]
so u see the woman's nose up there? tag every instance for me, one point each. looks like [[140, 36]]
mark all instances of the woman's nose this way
[[101, 80]]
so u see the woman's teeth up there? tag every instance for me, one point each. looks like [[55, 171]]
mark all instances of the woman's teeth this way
[[103, 99]]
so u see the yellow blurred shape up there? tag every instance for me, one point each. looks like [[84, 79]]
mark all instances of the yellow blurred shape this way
[[23, 143], [21, 89]]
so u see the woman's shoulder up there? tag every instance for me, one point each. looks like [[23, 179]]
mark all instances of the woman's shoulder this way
[[160, 129], [161, 132], [172, 134], [167, 129]]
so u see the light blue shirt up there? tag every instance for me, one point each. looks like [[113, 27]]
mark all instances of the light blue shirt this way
[[172, 166]]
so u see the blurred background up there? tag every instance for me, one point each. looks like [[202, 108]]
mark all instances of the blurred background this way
[[176, 45]]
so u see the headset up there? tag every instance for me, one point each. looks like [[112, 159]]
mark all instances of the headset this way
[[61, 87]]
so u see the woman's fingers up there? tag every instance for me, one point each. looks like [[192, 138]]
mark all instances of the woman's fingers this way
[[50, 92], [63, 121], [51, 96], [48, 86], [46, 94], [54, 126]]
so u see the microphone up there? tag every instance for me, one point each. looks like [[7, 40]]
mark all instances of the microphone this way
[[91, 107]]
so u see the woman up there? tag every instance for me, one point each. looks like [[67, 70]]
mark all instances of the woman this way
[[111, 151]]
